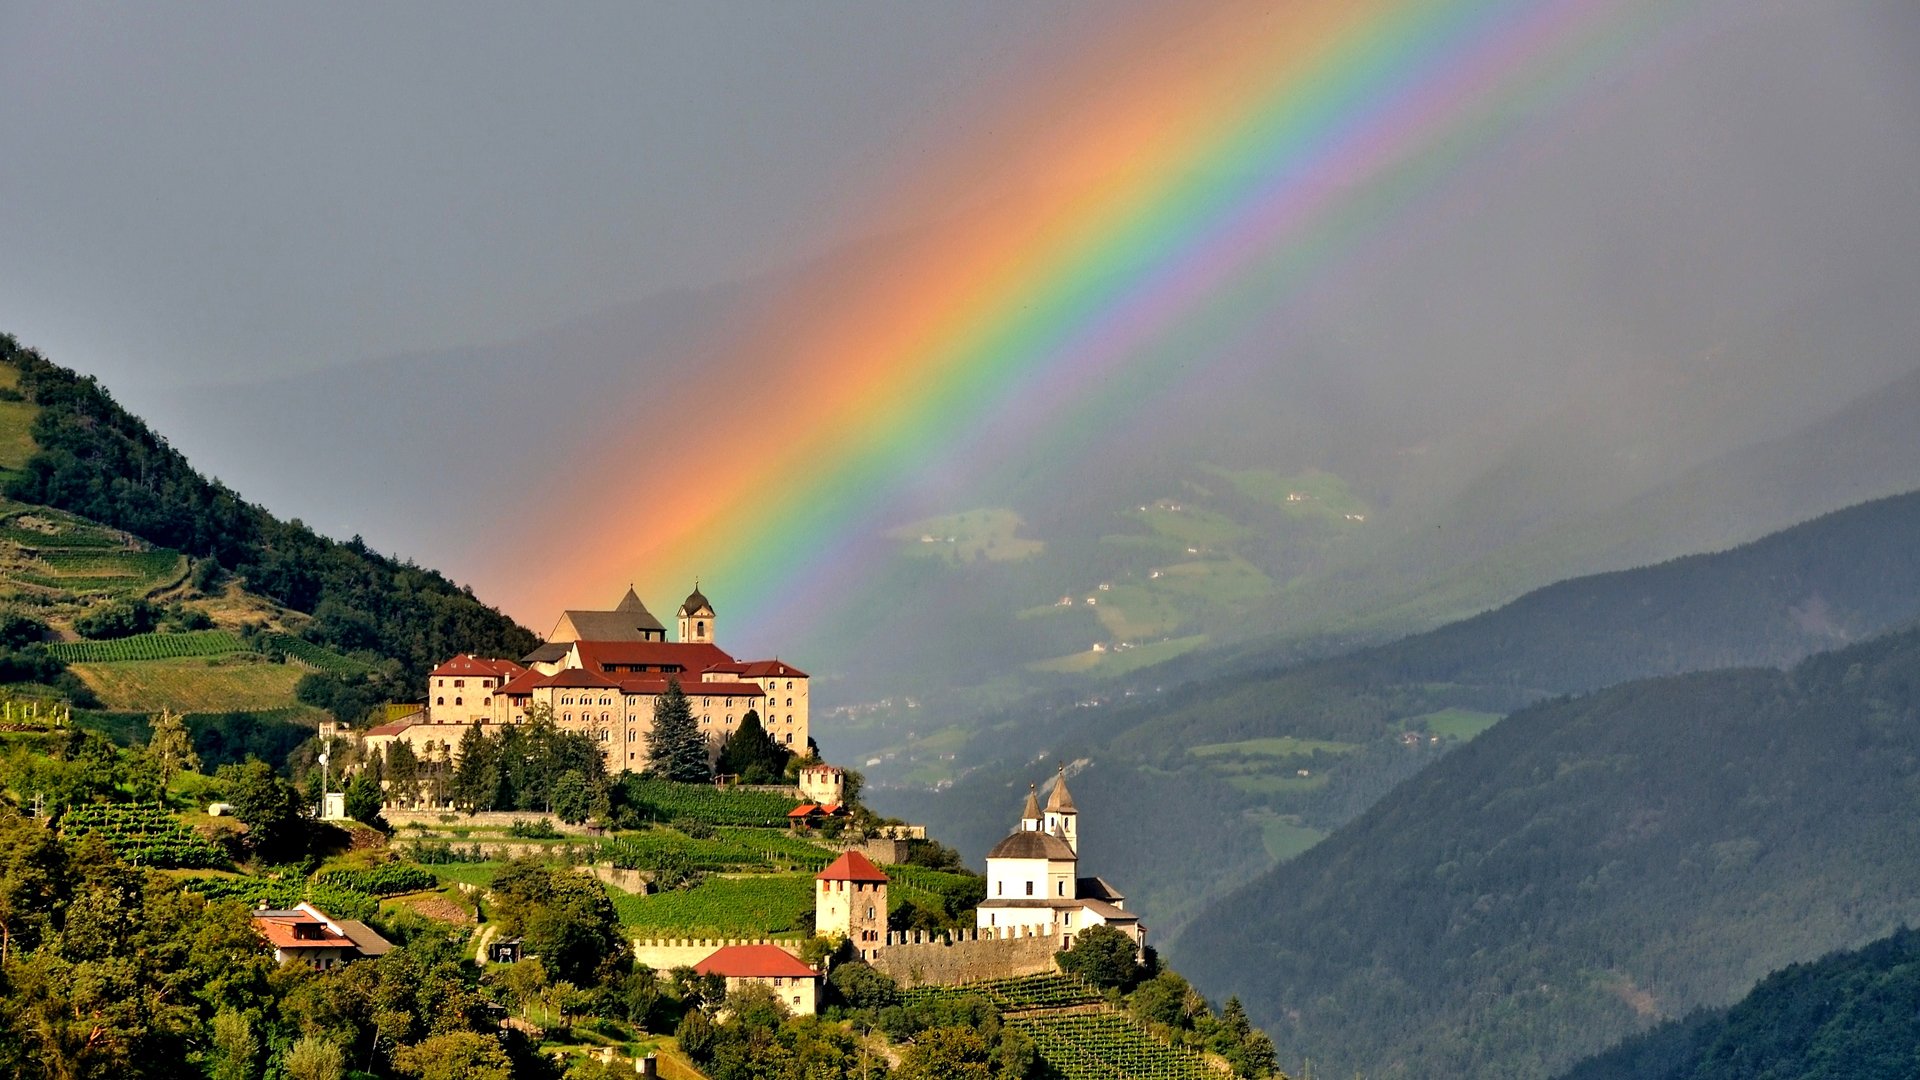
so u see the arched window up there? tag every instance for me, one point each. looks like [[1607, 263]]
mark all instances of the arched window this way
[[700, 628], [631, 736], [789, 738], [439, 701], [456, 701]]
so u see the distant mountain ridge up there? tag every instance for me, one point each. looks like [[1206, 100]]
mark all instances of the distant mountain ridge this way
[[1588, 866], [1837, 579], [1848, 1016]]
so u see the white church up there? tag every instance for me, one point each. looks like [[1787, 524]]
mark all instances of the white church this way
[[1034, 887]]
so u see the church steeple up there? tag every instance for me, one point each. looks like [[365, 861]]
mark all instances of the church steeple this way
[[1030, 817], [696, 616], [1063, 818]]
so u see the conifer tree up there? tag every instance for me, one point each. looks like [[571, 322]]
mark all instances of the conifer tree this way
[[170, 748], [751, 753], [676, 749]]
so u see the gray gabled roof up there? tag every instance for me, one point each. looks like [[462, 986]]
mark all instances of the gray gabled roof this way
[[1033, 845]]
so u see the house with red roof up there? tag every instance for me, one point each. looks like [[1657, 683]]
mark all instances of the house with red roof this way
[[794, 983], [307, 936]]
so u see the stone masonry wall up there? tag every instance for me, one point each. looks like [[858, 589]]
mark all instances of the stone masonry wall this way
[[919, 959]]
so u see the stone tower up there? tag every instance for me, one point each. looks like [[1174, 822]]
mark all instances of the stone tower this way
[[850, 899], [1063, 818], [696, 617]]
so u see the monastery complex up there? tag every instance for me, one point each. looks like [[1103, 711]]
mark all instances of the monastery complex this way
[[600, 673]]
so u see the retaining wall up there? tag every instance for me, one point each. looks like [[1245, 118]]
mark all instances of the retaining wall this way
[[915, 958], [663, 954]]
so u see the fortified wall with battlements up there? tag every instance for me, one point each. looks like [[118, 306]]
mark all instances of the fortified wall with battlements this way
[[916, 958]]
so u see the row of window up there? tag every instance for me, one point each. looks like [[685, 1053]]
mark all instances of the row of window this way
[[1002, 889], [461, 701]]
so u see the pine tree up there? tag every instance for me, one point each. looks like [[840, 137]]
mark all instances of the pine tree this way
[[751, 753], [676, 749]]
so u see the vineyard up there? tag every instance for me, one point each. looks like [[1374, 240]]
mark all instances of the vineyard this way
[[144, 834], [306, 653], [1109, 1046], [132, 573], [149, 647], [389, 879], [728, 849], [193, 684], [668, 801], [1049, 991], [723, 907], [284, 891]]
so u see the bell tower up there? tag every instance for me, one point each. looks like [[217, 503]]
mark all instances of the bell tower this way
[[1063, 818], [696, 617]]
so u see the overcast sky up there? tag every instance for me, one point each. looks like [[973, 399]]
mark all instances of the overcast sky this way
[[208, 192]]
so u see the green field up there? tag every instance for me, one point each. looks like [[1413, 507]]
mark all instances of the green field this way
[[1283, 746], [1278, 785], [193, 685], [992, 534], [1284, 836], [1462, 724], [719, 907], [1307, 494], [1190, 525], [1119, 662]]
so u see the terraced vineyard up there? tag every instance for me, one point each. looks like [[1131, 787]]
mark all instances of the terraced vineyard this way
[[1048, 991], [722, 907], [713, 806], [144, 834], [336, 900], [302, 651], [149, 647], [730, 848], [1108, 1046], [193, 684]]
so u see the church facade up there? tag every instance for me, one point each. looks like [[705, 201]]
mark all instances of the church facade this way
[[600, 673], [1034, 885]]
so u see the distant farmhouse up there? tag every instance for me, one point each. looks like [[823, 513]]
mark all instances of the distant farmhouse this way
[[600, 673]]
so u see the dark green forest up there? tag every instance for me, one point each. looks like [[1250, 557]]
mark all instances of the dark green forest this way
[[1849, 1016], [100, 461], [1589, 867]]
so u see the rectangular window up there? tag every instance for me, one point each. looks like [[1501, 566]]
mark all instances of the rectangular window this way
[[1029, 888]]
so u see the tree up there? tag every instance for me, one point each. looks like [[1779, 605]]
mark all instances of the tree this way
[[572, 800], [750, 753], [314, 1058], [403, 772], [476, 780], [947, 1053], [1103, 956], [269, 807], [364, 799], [675, 747], [460, 1055], [235, 1047], [170, 748], [19, 630]]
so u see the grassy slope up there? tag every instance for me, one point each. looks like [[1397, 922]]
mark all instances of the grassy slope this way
[[1673, 840]]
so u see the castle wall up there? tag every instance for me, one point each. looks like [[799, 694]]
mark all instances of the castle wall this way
[[915, 958], [665, 954]]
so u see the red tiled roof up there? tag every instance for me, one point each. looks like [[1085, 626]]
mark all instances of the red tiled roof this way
[[469, 664], [657, 684], [754, 962], [577, 677], [766, 669], [692, 657], [852, 866], [522, 684], [280, 934], [394, 728], [803, 810]]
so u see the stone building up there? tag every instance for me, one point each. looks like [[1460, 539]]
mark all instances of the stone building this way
[[600, 673], [794, 983], [850, 901]]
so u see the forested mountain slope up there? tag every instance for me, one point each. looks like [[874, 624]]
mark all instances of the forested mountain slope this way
[[95, 459], [1228, 745], [1589, 866], [1849, 1016]]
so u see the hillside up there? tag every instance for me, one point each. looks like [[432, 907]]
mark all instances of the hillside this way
[[137, 515], [1587, 867], [1849, 1016], [1230, 744]]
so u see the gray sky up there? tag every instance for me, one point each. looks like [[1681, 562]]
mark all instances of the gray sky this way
[[214, 191]]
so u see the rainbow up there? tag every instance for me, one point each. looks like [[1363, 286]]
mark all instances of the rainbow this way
[[1194, 159]]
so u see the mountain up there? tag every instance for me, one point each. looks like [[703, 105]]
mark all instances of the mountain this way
[[1589, 866], [1849, 1016], [1262, 759], [118, 485]]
